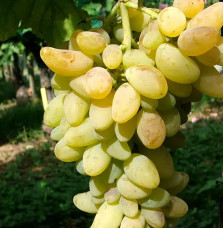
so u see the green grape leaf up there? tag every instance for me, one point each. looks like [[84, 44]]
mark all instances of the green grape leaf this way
[[51, 20], [92, 8]]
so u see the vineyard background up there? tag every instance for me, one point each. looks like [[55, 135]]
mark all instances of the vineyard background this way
[[37, 189]]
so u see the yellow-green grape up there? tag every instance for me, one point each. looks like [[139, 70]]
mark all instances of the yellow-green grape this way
[[211, 57], [112, 56], [118, 32], [98, 186], [150, 53], [109, 216], [148, 103], [166, 103], [83, 201], [116, 149], [139, 21], [162, 160], [147, 80], [172, 121], [105, 134], [136, 222], [220, 48], [210, 82], [73, 41], [95, 160], [190, 7], [179, 188], [64, 125], [75, 108], [153, 37], [125, 131], [178, 89], [66, 62], [100, 112], [134, 57], [211, 16], [54, 111], [77, 85], [98, 200], [176, 141], [97, 83], [176, 66], [142, 171], [103, 33], [112, 195], [56, 134], [67, 154], [91, 43], [157, 199], [171, 21], [81, 135], [59, 82], [133, 12], [172, 182], [129, 207], [113, 172], [150, 129], [80, 167], [154, 217], [59, 92], [125, 104], [131, 191], [196, 41], [176, 208]]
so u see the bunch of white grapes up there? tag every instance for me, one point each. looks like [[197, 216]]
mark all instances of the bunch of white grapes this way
[[118, 107]]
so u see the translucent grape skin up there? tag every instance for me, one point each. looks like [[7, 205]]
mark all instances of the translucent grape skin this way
[[100, 112], [97, 83], [171, 21], [146, 176], [176, 66], [73, 40], [147, 80], [134, 57], [54, 111], [103, 33], [91, 43], [210, 82], [211, 57], [196, 41], [190, 7], [211, 16], [153, 37], [125, 104], [66, 62], [75, 108], [112, 56], [151, 129]]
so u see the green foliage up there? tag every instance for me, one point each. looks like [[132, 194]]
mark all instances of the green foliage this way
[[202, 159], [17, 118], [37, 191], [51, 20], [7, 91]]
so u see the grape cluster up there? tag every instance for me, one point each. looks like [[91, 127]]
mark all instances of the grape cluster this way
[[121, 96]]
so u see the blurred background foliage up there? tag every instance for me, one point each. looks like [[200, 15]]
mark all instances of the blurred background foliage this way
[[37, 189]]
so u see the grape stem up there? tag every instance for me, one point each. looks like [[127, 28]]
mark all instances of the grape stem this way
[[109, 18], [126, 43], [145, 10]]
